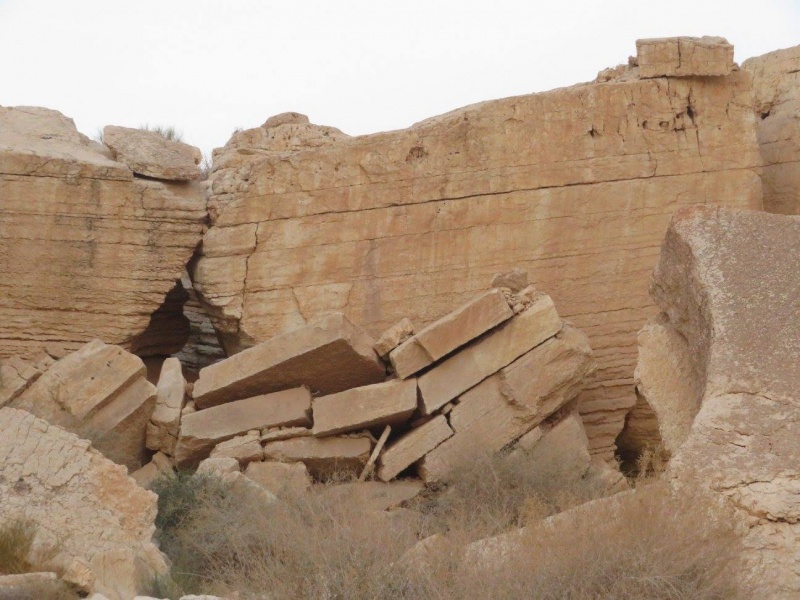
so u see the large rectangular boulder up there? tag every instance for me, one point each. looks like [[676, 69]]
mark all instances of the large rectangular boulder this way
[[329, 355], [333, 455], [388, 403], [412, 446], [475, 363], [684, 57], [452, 331], [162, 430], [202, 430]]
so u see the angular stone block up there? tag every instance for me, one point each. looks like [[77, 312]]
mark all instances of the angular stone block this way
[[204, 429], [162, 430], [150, 154], [488, 355], [413, 446], [328, 355], [281, 479], [388, 403], [393, 337], [323, 456], [684, 57]]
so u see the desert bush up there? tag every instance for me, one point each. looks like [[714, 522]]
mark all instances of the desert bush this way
[[167, 132], [16, 542]]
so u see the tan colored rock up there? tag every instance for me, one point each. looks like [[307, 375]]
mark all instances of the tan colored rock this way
[[393, 337], [776, 101], [204, 429], [563, 448], [79, 231], [251, 494], [281, 479], [16, 375], [449, 333], [412, 446], [81, 503], [512, 402], [515, 280], [475, 363], [100, 392], [151, 154], [373, 495], [218, 466], [287, 118], [323, 456], [159, 466], [244, 448], [202, 348], [668, 392], [389, 403], [329, 355], [684, 57], [162, 430], [728, 281], [284, 433]]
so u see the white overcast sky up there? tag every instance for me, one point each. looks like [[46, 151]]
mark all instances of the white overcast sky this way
[[210, 66]]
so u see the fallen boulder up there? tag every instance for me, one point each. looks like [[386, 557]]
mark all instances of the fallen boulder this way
[[323, 456], [162, 430], [151, 154]]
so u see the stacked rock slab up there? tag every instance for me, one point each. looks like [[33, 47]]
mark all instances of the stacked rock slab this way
[[162, 430], [728, 282], [86, 250], [100, 392], [776, 101], [575, 185], [83, 505]]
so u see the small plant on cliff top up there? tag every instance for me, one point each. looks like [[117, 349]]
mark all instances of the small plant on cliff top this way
[[167, 132]]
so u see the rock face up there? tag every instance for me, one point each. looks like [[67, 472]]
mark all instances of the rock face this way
[[728, 282], [100, 392], [776, 100], [684, 57], [329, 355], [86, 250], [61, 484], [150, 154], [575, 186]]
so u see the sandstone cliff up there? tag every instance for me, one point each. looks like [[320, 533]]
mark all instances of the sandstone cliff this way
[[575, 185]]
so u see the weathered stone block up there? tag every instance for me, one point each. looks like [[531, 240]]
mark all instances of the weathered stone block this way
[[323, 456], [413, 446], [684, 57]]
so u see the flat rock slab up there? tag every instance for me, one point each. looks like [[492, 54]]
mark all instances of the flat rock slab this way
[[329, 355], [449, 333], [388, 403], [511, 403], [204, 429], [413, 446], [373, 495], [684, 57], [488, 355], [393, 337], [323, 456], [244, 448], [150, 154]]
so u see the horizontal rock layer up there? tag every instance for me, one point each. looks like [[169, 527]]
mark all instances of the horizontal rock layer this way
[[576, 186]]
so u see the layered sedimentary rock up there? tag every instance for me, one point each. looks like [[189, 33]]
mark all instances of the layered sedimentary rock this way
[[83, 505], [688, 57], [575, 186], [202, 347], [776, 101], [728, 282], [86, 250]]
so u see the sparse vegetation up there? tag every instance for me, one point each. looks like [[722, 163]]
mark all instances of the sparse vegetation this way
[[167, 132], [654, 545], [16, 542]]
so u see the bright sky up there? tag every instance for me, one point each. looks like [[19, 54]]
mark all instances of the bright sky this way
[[210, 66]]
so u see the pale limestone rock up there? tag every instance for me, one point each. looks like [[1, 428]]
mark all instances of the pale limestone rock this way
[[159, 466], [328, 355], [16, 375], [412, 446], [563, 447], [323, 456], [668, 392], [388, 403], [150, 154], [283, 433], [515, 280], [727, 280], [488, 355], [281, 479], [100, 392], [204, 429], [776, 101], [373, 495], [162, 430], [218, 466], [287, 118], [393, 337], [512, 402], [244, 448], [80, 502], [250, 492], [449, 333], [574, 185], [80, 232], [684, 57]]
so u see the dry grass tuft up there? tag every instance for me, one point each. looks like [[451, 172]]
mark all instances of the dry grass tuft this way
[[642, 544], [16, 543]]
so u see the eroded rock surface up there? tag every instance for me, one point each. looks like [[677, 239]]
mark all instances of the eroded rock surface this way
[[86, 250], [575, 186], [776, 100], [151, 154], [81, 503]]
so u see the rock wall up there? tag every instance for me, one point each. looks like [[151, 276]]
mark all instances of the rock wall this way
[[86, 249], [776, 100], [575, 185]]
